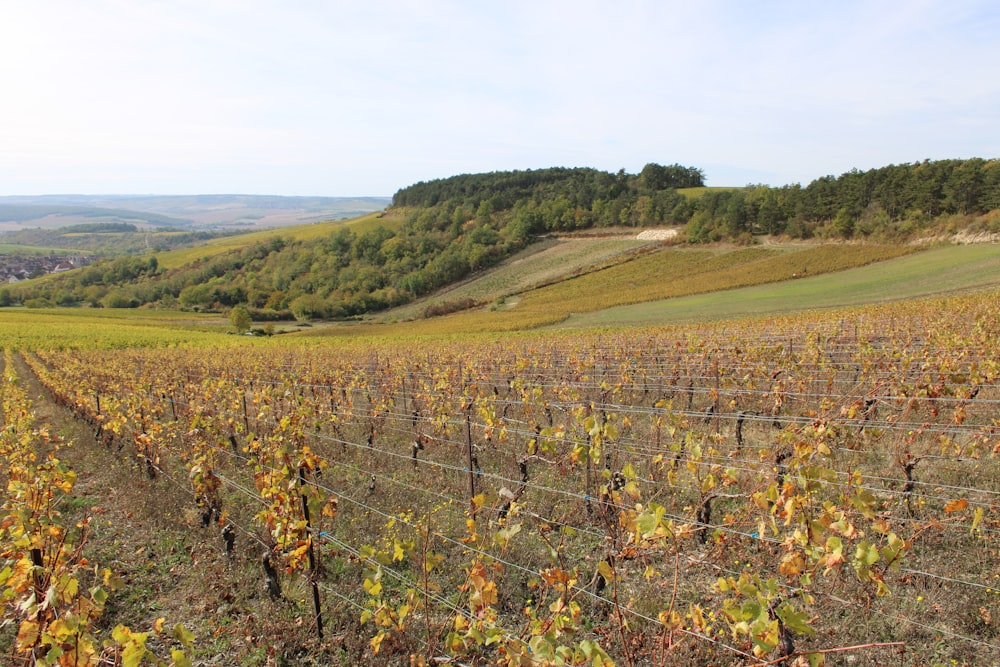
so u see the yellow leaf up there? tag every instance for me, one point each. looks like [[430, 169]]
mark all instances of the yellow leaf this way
[[120, 634], [135, 650], [977, 517], [377, 642], [27, 635], [179, 658]]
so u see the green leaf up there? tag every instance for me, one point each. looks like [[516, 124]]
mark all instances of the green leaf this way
[[834, 545], [867, 554], [454, 643], [184, 636], [796, 621], [893, 549], [865, 503], [648, 521], [816, 659], [135, 650], [99, 595]]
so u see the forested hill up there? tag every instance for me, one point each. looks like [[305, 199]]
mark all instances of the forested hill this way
[[439, 232], [891, 203], [504, 189], [561, 199]]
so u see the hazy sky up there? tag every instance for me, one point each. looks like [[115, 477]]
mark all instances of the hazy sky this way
[[362, 98]]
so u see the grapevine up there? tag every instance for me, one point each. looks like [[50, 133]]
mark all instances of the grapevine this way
[[743, 492]]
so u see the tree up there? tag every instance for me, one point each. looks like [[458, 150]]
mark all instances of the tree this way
[[964, 187], [654, 177], [239, 317], [308, 307], [843, 223]]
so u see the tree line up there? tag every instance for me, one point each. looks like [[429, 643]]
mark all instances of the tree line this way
[[891, 203]]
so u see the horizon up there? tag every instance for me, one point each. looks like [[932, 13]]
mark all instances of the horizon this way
[[178, 99], [189, 194]]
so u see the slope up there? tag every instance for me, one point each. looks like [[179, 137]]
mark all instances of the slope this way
[[177, 258], [936, 271], [667, 273]]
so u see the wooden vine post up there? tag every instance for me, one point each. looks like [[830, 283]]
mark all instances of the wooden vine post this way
[[311, 554], [471, 454]]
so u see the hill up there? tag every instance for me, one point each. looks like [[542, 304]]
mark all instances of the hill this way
[[203, 212], [439, 234], [660, 274], [935, 271]]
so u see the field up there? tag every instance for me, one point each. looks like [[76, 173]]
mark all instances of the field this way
[[936, 271], [542, 262], [667, 272], [803, 488], [775, 487], [184, 211], [14, 248], [176, 258], [100, 328]]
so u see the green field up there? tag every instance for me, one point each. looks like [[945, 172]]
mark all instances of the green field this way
[[932, 272]]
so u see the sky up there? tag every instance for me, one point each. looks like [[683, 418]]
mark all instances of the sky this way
[[350, 98]]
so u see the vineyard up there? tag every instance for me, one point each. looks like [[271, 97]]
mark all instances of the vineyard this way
[[811, 489], [49, 587]]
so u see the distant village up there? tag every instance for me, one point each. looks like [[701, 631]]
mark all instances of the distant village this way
[[15, 268]]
